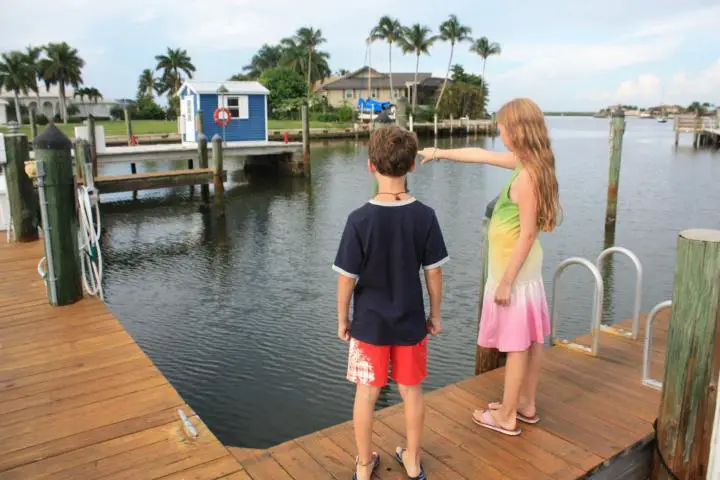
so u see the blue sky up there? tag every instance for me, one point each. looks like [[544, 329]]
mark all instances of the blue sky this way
[[565, 54]]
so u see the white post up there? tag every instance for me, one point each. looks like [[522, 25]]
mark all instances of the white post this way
[[411, 123], [451, 125], [435, 124], [714, 462]]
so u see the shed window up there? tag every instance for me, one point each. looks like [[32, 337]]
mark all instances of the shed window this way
[[238, 106], [349, 93]]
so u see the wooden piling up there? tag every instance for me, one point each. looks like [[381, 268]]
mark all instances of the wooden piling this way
[[692, 359], [486, 359], [411, 123], [203, 163], [33, 123], [617, 130], [435, 125], [81, 158], [401, 118], [200, 123], [697, 129], [218, 175], [306, 138], [128, 124], [55, 178], [20, 191], [93, 144], [451, 125]]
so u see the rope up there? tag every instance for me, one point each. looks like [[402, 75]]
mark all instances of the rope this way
[[89, 242], [660, 455]]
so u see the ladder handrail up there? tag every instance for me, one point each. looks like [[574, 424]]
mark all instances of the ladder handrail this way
[[638, 282], [597, 301], [647, 347]]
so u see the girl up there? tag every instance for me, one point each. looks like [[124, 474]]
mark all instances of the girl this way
[[515, 315]]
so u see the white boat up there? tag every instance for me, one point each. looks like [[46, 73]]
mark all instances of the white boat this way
[[645, 115], [662, 119]]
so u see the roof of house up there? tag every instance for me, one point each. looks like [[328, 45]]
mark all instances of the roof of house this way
[[359, 79], [233, 88]]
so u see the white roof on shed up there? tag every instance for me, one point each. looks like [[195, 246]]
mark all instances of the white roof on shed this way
[[233, 88], [3, 102]]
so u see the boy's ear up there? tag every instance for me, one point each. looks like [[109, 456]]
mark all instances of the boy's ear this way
[[413, 165], [371, 167]]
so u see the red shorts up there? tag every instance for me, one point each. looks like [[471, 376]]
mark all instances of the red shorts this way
[[368, 364]]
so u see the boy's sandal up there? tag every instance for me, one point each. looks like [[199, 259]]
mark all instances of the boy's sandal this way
[[520, 416], [399, 458], [375, 462], [485, 419]]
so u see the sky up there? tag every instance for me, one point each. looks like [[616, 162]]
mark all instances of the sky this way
[[567, 55]]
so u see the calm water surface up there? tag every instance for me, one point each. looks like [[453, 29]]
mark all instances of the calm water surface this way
[[240, 315]]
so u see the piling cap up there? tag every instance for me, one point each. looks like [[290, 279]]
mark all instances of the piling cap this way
[[217, 138], [617, 112], [51, 139]]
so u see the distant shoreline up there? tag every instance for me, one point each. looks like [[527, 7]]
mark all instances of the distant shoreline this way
[[569, 114]]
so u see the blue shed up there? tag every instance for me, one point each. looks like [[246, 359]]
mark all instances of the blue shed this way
[[246, 101]]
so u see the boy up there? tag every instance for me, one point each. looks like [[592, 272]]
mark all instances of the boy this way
[[383, 247]]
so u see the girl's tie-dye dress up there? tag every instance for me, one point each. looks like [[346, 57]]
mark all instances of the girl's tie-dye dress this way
[[512, 328]]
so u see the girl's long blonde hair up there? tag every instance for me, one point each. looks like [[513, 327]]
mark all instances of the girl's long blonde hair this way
[[525, 129]]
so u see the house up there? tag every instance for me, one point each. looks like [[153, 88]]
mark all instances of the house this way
[[348, 89], [47, 102], [3, 112], [246, 102]]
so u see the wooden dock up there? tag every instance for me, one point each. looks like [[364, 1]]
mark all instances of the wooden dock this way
[[150, 180], [79, 399]]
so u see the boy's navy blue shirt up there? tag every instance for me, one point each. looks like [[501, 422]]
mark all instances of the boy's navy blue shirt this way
[[383, 247]]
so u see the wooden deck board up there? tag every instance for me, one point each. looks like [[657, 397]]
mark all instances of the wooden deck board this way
[[78, 397]]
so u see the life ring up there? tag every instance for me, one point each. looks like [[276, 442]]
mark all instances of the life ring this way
[[222, 116]]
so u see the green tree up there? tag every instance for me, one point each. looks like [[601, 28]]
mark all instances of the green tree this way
[[453, 32], [417, 40], [173, 64], [388, 30], [458, 75], [266, 58], [485, 48], [463, 99], [240, 77], [308, 40], [91, 93], [32, 58], [61, 66], [309, 62], [148, 84], [284, 84], [16, 76]]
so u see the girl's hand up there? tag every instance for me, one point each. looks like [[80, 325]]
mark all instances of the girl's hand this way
[[502, 293], [428, 154]]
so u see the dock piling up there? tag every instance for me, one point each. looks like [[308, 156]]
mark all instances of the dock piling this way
[[617, 130], [451, 125], [21, 194], [93, 144], [435, 125], [411, 122], [203, 163], [128, 124], [306, 137], [218, 175], [692, 358], [200, 122], [58, 210]]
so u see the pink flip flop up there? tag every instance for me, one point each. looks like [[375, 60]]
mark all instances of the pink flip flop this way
[[522, 418], [486, 420]]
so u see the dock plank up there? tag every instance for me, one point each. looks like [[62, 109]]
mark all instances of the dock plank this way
[[80, 399]]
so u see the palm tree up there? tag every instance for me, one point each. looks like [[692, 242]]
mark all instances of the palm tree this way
[[266, 58], [308, 39], [297, 56], [451, 31], [32, 57], [388, 30], [16, 76], [61, 66], [173, 64], [485, 48], [418, 40], [148, 85], [92, 94]]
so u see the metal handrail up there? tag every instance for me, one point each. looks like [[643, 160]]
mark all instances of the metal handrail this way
[[597, 305], [646, 380], [638, 282]]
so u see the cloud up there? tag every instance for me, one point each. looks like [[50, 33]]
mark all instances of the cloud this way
[[648, 89], [707, 18]]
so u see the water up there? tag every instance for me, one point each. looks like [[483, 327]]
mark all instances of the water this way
[[240, 316]]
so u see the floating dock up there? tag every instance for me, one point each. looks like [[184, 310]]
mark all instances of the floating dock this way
[[79, 399]]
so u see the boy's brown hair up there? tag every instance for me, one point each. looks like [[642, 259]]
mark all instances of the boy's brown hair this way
[[392, 150]]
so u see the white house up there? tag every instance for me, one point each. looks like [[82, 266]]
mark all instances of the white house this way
[[47, 102], [3, 111]]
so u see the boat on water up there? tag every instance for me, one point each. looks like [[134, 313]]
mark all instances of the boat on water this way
[[645, 115], [662, 119]]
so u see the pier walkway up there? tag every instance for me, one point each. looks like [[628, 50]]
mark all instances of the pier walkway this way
[[79, 399]]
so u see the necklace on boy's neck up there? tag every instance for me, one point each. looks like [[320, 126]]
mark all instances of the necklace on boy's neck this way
[[397, 195]]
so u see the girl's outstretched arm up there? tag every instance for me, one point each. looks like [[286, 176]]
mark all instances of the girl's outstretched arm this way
[[524, 193], [470, 155]]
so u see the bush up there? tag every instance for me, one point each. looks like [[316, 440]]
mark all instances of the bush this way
[[346, 113], [116, 113], [40, 119], [72, 110], [285, 86]]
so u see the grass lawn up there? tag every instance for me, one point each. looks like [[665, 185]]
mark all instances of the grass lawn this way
[[147, 127]]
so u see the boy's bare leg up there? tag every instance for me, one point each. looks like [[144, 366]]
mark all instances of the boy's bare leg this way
[[363, 413], [414, 421]]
